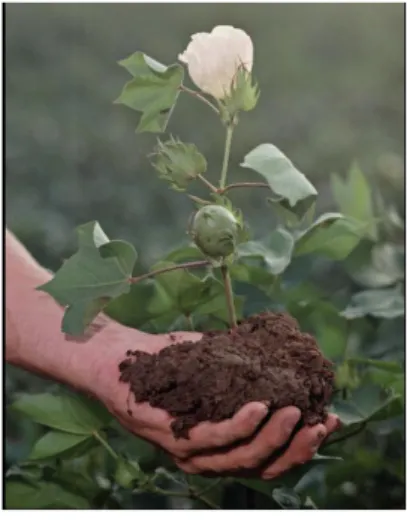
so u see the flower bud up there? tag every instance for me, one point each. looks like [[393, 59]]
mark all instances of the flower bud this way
[[178, 163], [214, 59], [215, 230], [243, 95]]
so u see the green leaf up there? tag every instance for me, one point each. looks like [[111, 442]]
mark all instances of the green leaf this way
[[330, 329], [127, 472], [380, 303], [77, 474], [387, 380], [216, 307], [87, 274], [139, 64], [207, 488], [284, 179], [389, 366], [153, 91], [85, 283], [354, 198], [377, 267], [123, 253], [303, 213], [41, 495], [290, 478], [185, 254], [132, 447], [252, 275], [71, 414], [367, 404], [79, 316], [133, 309], [56, 443], [275, 251], [185, 290], [331, 235]]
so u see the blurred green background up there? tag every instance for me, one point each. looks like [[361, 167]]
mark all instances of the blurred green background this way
[[332, 91]]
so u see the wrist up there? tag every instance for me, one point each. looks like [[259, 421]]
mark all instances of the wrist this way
[[107, 350]]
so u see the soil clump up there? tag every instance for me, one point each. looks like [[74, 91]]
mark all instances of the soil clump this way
[[266, 358]]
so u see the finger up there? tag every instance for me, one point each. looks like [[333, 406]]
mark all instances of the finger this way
[[303, 447], [274, 434], [332, 423], [209, 435]]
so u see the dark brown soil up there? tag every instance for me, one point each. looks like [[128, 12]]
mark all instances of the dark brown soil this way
[[266, 358]]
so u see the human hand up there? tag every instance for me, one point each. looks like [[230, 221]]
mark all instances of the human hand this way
[[236, 446]]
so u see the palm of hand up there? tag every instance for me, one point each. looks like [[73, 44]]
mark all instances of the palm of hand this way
[[234, 446]]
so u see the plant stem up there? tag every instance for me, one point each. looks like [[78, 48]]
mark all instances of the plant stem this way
[[189, 494], [346, 435], [205, 501], [229, 296], [213, 188], [228, 143], [199, 96], [105, 444], [244, 185], [190, 321], [198, 200], [202, 492], [186, 265]]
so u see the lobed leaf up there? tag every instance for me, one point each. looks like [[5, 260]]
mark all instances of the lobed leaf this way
[[98, 272], [153, 91]]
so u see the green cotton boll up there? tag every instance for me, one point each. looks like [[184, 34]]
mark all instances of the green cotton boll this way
[[215, 231], [178, 163]]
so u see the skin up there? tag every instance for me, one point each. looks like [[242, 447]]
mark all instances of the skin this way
[[90, 364]]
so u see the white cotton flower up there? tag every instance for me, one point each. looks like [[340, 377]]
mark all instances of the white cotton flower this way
[[213, 59]]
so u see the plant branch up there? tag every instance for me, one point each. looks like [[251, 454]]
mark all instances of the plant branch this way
[[199, 96], [186, 265], [213, 188], [243, 185], [347, 435], [205, 501], [229, 296], [228, 143], [208, 488], [105, 444]]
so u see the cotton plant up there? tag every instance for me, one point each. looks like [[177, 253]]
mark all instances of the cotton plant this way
[[100, 275]]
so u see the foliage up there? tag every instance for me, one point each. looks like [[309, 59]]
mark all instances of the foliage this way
[[76, 463]]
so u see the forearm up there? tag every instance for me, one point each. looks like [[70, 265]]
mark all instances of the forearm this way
[[34, 340]]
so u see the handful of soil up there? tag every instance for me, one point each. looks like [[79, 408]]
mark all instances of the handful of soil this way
[[266, 358]]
